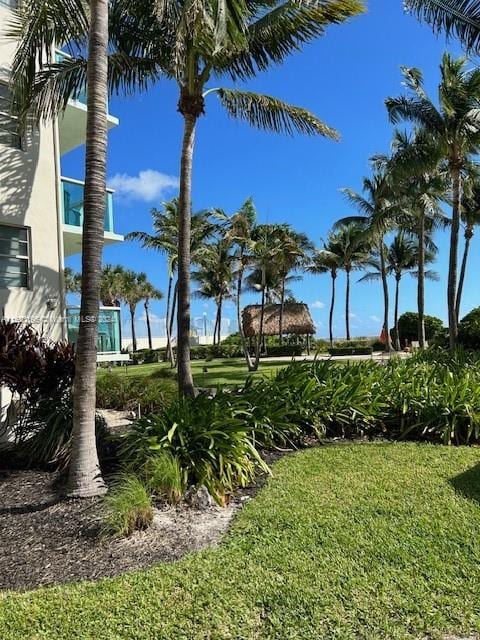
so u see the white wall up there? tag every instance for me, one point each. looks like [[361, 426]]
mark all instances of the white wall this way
[[28, 197]]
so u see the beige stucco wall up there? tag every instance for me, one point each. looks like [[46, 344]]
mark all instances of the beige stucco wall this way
[[28, 197]]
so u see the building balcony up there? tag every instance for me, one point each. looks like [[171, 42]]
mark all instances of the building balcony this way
[[109, 339], [72, 124], [72, 216]]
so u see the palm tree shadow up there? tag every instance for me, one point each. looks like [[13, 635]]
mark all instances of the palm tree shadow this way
[[467, 484]]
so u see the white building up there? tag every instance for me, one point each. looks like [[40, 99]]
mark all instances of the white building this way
[[41, 213]]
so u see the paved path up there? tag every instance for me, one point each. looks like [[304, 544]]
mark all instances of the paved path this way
[[378, 356]]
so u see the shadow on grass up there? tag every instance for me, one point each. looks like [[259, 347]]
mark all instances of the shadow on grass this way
[[467, 484]]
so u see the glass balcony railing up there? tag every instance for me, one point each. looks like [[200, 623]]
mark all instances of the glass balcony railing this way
[[109, 334], [72, 201], [81, 95]]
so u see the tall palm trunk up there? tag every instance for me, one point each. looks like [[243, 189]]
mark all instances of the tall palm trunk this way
[[421, 281], [398, 277], [282, 309], [185, 379], [167, 318], [132, 324], [332, 307], [172, 319], [386, 301], [463, 270], [149, 329], [258, 344], [215, 328], [453, 259], [85, 477], [246, 351], [347, 305], [220, 304]]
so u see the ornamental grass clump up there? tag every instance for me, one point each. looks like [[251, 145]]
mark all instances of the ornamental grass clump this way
[[128, 506]]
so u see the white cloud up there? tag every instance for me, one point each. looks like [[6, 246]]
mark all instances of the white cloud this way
[[375, 319], [318, 305], [149, 185]]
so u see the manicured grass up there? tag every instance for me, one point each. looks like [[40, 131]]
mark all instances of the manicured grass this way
[[219, 372], [376, 541]]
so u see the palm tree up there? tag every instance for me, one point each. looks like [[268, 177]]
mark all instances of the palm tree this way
[[240, 228], [199, 41], [72, 281], [165, 240], [327, 261], [192, 44], [265, 277], [454, 129], [295, 253], [111, 283], [460, 19], [349, 243], [40, 25], [402, 256], [148, 293], [215, 276], [470, 219], [133, 292], [378, 207], [420, 184]]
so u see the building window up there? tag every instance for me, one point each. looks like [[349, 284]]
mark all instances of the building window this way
[[14, 257], [9, 131], [13, 4]]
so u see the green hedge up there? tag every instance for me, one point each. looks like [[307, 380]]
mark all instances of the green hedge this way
[[284, 350], [351, 351]]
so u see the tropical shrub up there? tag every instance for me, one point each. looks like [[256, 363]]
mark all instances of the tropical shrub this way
[[469, 330], [149, 394], [210, 439], [408, 327], [128, 506]]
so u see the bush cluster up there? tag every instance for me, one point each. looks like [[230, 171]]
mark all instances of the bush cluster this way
[[469, 330], [215, 441], [130, 393]]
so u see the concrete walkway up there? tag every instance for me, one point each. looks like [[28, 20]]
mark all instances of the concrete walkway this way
[[377, 356]]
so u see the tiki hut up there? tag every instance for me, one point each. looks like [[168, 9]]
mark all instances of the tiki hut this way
[[296, 320]]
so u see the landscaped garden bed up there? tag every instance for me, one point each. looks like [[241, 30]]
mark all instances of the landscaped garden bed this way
[[356, 541]]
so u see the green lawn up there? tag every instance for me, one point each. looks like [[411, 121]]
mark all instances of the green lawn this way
[[219, 372], [369, 542]]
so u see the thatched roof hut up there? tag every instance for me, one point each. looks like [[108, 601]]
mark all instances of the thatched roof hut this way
[[296, 320]]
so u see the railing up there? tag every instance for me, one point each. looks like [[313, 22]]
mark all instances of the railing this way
[[72, 202], [109, 334]]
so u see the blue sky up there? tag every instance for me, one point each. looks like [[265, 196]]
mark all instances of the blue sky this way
[[343, 78]]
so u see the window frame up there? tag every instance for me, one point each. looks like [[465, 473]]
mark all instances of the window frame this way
[[20, 257], [14, 119]]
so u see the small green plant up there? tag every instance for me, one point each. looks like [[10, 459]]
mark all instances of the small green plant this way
[[129, 506], [163, 475]]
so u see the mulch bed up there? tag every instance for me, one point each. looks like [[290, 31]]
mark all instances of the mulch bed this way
[[46, 540]]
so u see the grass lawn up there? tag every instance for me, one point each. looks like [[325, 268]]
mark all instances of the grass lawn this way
[[375, 541], [220, 372]]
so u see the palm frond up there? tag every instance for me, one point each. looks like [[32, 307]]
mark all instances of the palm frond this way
[[456, 18], [271, 114], [275, 34]]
